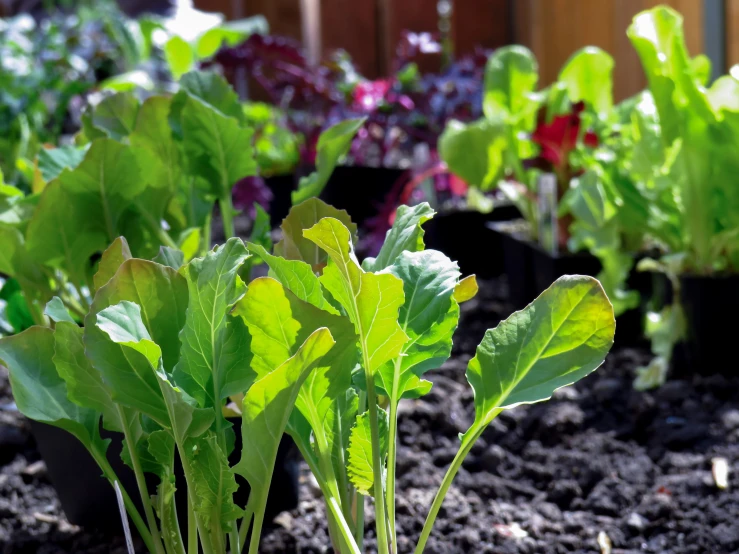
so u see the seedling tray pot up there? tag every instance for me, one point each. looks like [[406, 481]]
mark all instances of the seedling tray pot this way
[[711, 305], [360, 190], [517, 261], [89, 501], [282, 187], [465, 237]]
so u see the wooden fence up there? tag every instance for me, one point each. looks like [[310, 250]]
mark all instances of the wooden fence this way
[[553, 29]]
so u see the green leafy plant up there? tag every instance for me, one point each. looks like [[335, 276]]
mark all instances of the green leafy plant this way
[[310, 350], [149, 171]]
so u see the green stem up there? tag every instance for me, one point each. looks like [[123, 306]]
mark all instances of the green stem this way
[[234, 538], [141, 482], [227, 216], [133, 512], [206, 238], [391, 459], [343, 526], [464, 449], [380, 519], [192, 528], [244, 527], [359, 499], [256, 532]]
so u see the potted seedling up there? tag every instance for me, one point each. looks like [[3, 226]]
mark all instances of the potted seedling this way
[[309, 351]]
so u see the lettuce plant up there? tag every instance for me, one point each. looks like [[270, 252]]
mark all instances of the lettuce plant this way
[[148, 171], [324, 348]]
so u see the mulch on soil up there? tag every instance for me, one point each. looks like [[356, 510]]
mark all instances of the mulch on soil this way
[[598, 463]]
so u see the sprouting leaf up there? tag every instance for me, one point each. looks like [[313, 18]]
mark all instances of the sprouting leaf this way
[[466, 289], [218, 148], [114, 117], [213, 481], [428, 316], [215, 347], [333, 144], [113, 257], [294, 275], [359, 466], [180, 56], [511, 75], [171, 257], [371, 300], [406, 234], [57, 311], [588, 77], [474, 151], [123, 324], [560, 337], [266, 409], [162, 295], [51, 162], [40, 393]]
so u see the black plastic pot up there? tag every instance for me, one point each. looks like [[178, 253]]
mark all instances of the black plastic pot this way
[[711, 305], [360, 190], [89, 501], [466, 238], [282, 187]]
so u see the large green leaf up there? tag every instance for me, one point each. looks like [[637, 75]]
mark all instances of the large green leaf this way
[[588, 77], [114, 117], [474, 151], [40, 393], [294, 246], [213, 89], [359, 464], [295, 275], [371, 300], [511, 75], [218, 148], [557, 339], [266, 409], [80, 212], [215, 347], [429, 317], [162, 294], [333, 144], [406, 234]]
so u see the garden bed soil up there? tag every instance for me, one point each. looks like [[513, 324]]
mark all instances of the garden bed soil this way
[[598, 459]]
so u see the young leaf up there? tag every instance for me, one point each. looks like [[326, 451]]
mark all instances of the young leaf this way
[[114, 117], [266, 409], [215, 348], [171, 257], [557, 339], [406, 234], [466, 289], [40, 393], [588, 76], [429, 317], [214, 483], [333, 144], [162, 294], [51, 162], [218, 149], [359, 466], [85, 386], [371, 300], [294, 245], [57, 311], [113, 257], [215, 91], [296, 276], [511, 75], [474, 151], [79, 213]]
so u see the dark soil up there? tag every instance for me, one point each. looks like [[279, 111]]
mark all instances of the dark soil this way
[[599, 459]]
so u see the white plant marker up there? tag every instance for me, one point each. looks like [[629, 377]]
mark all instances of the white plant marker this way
[[124, 518]]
